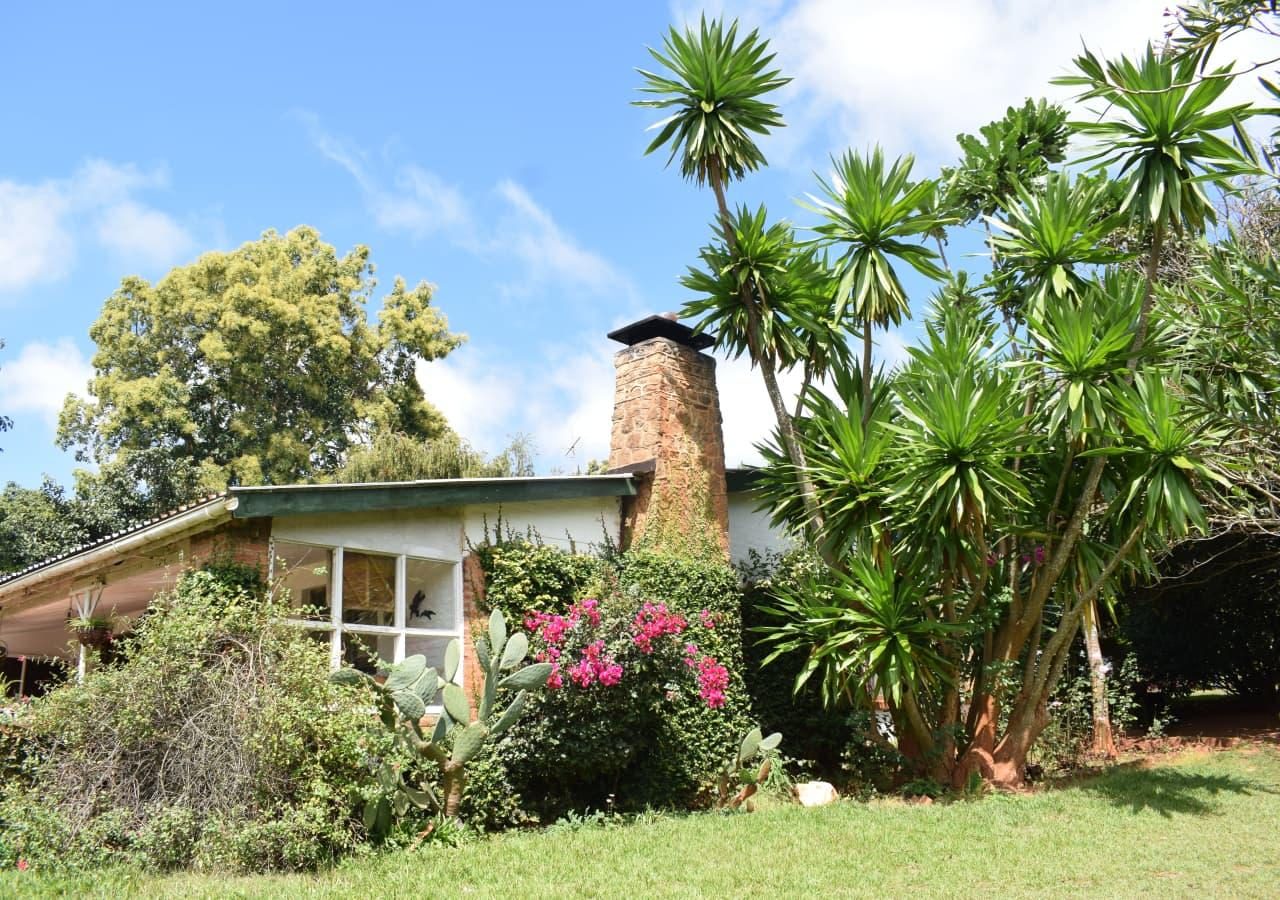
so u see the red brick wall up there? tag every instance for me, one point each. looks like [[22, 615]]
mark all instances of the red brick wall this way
[[667, 409], [474, 625]]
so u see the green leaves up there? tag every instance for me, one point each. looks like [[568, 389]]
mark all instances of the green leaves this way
[[1050, 236], [870, 209], [789, 284], [1159, 133], [715, 84], [873, 637]]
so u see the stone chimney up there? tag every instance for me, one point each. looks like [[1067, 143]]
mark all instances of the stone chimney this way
[[667, 430]]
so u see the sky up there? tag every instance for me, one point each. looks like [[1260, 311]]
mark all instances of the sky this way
[[490, 149]]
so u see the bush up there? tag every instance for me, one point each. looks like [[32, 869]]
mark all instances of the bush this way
[[217, 741], [634, 718], [526, 574], [1213, 620], [837, 745]]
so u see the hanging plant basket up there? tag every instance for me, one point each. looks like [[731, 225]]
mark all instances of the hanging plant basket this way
[[95, 637]]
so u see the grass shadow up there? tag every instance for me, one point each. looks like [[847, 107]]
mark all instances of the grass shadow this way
[[1168, 791]]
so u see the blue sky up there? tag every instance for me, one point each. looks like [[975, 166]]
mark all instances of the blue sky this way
[[488, 149]]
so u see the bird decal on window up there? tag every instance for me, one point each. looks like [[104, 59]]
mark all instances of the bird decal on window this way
[[415, 607]]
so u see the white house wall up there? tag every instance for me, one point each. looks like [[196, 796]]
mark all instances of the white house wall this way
[[578, 524], [750, 529], [430, 533]]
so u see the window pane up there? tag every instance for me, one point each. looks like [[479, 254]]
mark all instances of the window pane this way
[[430, 594], [368, 652], [368, 589], [303, 573]]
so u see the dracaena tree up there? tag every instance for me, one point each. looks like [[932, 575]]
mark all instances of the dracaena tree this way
[[715, 85], [1009, 481], [874, 217]]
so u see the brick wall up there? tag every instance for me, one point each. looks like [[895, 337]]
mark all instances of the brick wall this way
[[667, 410], [474, 625]]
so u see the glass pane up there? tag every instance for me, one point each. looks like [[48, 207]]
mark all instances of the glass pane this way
[[430, 594], [433, 649], [368, 652], [303, 573], [368, 589]]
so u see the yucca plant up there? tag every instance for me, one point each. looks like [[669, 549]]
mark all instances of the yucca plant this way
[[1159, 136], [872, 219], [716, 85], [1051, 237]]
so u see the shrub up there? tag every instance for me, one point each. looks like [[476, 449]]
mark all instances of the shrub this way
[[217, 741], [647, 697], [526, 574], [837, 745]]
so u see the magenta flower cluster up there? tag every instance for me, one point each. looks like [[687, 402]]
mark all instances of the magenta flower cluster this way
[[653, 621], [592, 663], [713, 678], [554, 630]]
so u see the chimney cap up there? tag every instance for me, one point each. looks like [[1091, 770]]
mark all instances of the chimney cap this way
[[664, 327]]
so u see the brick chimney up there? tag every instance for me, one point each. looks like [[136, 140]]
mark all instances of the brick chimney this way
[[667, 430]]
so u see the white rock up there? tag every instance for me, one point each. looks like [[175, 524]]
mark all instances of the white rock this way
[[816, 793]]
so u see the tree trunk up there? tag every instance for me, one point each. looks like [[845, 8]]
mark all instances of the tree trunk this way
[[866, 374], [454, 779], [786, 426], [1103, 740]]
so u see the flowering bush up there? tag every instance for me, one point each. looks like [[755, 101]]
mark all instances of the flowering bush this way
[[646, 695]]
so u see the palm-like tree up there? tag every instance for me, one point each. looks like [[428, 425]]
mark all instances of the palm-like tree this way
[[871, 213], [715, 85], [1161, 138], [1050, 236]]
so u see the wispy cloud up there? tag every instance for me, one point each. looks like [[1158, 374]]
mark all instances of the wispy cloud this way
[[42, 224], [38, 379], [413, 200]]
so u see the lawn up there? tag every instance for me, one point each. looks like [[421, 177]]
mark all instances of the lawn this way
[[1195, 824]]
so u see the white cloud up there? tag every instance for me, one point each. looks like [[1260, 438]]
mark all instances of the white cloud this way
[[912, 78], [422, 204], [548, 253], [39, 378], [35, 242], [39, 223], [137, 232]]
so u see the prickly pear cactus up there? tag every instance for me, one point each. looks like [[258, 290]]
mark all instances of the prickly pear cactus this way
[[457, 737], [742, 773]]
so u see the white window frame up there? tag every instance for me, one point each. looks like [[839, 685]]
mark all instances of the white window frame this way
[[336, 628]]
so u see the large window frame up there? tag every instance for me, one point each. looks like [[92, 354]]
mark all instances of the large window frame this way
[[400, 630]]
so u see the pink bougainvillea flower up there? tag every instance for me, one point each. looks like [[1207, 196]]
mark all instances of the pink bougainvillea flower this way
[[707, 619], [654, 621], [23, 865]]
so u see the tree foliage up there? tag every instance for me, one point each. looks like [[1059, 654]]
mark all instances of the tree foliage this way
[[257, 365], [393, 456], [1046, 438]]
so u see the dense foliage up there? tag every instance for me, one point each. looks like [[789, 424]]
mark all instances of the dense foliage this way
[[1213, 621], [1062, 420], [392, 456], [647, 697], [257, 365], [217, 742]]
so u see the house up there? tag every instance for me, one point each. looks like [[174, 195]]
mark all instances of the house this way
[[386, 566]]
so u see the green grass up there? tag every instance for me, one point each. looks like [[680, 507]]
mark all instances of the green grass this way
[[1193, 825]]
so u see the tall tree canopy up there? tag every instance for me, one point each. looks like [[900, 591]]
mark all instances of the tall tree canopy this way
[[257, 365]]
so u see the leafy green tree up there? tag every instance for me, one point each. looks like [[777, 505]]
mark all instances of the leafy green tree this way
[[257, 365], [36, 523], [392, 456], [715, 88], [1006, 484]]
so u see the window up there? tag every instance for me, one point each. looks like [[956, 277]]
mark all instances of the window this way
[[371, 608]]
